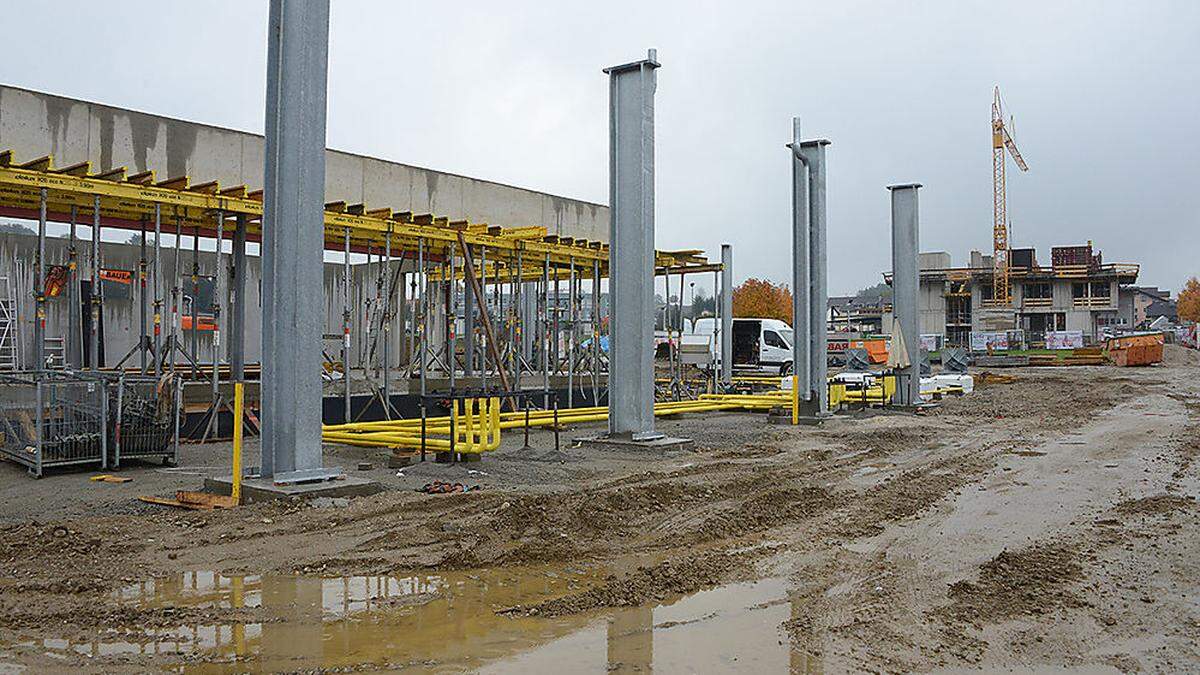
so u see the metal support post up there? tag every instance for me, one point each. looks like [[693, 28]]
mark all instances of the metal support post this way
[[143, 305], [716, 372], [595, 332], [216, 312], [631, 249], [469, 327], [423, 338], [39, 288], [346, 325], [545, 331], [386, 352], [520, 329], [94, 329], [293, 241], [451, 319], [74, 330], [216, 401], [726, 303], [173, 337], [237, 319], [555, 325], [483, 308], [158, 300], [195, 303], [905, 285], [571, 336]]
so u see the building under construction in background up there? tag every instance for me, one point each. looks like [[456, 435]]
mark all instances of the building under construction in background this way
[[1075, 290]]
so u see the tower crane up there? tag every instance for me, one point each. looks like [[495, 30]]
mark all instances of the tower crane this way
[[1002, 142]]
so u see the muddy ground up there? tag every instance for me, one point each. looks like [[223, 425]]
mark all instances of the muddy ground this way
[[1051, 522]]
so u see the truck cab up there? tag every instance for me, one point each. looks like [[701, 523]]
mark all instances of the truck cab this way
[[760, 346]]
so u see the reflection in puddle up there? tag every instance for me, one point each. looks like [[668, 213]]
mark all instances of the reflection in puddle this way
[[448, 622]]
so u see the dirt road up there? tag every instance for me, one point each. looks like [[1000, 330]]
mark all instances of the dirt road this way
[[1047, 523]]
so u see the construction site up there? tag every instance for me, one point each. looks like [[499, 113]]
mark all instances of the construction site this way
[[271, 407]]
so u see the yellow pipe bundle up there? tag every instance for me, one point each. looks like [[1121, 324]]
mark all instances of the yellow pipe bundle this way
[[477, 425]]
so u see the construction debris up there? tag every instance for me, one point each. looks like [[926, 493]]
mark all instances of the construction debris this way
[[196, 501], [109, 478]]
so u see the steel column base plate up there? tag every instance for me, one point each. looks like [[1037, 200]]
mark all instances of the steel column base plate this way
[[659, 444]]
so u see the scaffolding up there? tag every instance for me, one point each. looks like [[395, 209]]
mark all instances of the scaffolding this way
[[491, 307]]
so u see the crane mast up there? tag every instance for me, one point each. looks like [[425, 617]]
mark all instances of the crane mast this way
[[1002, 143]]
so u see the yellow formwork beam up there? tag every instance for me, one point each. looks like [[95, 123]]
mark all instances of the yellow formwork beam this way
[[133, 200]]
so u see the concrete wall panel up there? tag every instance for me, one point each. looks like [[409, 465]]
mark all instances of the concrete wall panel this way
[[386, 184], [343, 177], [34, 124]]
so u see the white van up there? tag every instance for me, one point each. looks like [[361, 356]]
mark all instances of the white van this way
[[759, 345]]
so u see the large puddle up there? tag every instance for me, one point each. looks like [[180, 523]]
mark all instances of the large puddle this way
[[449, 623]]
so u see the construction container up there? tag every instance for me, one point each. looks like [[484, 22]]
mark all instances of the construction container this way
[[1136, 350], [1075, 256], [1024, 258], [1069, 256], [53, 418]]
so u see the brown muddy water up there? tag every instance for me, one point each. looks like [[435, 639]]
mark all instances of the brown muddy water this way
[[450, 623]]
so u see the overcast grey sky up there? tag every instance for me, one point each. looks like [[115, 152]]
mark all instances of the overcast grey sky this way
[[1106, 96]]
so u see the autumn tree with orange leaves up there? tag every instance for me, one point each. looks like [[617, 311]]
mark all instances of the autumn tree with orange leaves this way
[[1187, 305], [761, 299]]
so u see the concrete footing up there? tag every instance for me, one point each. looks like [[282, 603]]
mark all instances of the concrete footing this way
[[258, 489], [399, 461], [662, 445]]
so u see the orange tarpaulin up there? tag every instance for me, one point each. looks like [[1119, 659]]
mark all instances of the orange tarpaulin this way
[[877, 350]]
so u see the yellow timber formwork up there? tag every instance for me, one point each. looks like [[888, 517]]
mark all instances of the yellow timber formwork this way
[[129, 202]]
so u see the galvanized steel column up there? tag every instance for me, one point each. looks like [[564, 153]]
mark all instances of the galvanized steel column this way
[[801, 267], [726, 314], [631, 248], [818, 293], [293, 238], [905, 282]]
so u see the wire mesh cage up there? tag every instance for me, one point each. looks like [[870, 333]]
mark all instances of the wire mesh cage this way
[[53, 418], [144, 418]]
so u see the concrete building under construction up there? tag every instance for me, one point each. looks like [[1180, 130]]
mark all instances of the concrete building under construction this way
[[1077, 291]]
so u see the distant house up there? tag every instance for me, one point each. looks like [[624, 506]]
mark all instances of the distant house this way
[[1150, 303], [857, 314]]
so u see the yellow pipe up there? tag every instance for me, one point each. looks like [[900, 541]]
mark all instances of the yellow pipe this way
[[477, 423], [236, 490]]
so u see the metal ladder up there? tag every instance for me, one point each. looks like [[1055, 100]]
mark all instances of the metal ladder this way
[[10, 353]]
